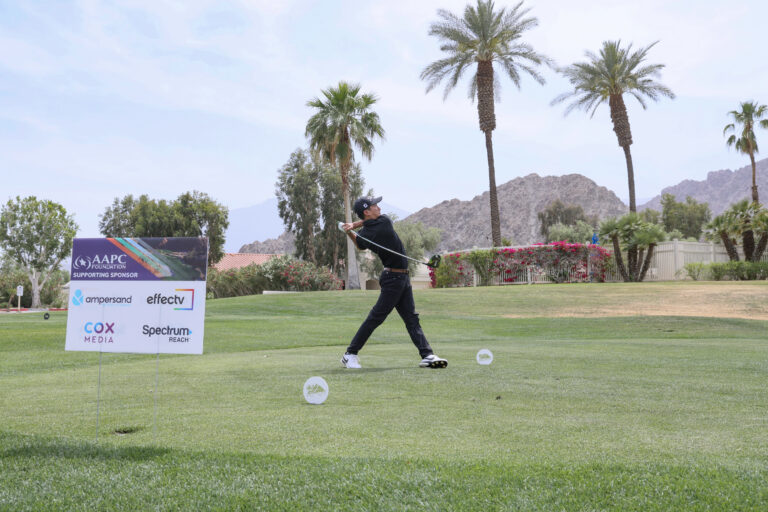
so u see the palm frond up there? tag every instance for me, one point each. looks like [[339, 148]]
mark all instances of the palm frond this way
[[749, 114], [483, 33], [614, 70]]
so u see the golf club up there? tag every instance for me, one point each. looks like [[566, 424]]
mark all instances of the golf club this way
[[433, 262]]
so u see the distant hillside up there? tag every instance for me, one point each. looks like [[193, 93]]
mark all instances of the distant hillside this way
[[720, 189], [284, 244], [466, 224], [257, 222]]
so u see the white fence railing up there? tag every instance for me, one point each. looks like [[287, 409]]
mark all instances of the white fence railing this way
[[669, 258]]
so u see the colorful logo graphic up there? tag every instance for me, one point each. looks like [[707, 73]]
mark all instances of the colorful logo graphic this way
[[191, 301], [100, 327], [185, 301], [78, 299]]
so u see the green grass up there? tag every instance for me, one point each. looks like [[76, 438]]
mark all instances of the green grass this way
[[577, 413]]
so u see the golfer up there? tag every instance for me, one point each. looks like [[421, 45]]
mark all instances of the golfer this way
[[396, 291]]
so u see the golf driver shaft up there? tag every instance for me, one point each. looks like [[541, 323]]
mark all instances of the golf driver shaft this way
[[386, 248]]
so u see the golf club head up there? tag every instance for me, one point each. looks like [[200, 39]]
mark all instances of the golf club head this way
[[434, 261]]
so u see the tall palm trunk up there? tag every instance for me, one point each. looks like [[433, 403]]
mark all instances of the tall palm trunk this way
[[630, 179], [353, 277], [487, 117], [624, 135], [755, 198], [495, 223]]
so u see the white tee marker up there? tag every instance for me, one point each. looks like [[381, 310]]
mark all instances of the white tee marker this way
[[315, 390], [484, 357]]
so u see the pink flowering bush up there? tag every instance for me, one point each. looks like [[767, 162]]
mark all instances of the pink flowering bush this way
[[281, 273], [454, 270], [558, 261]]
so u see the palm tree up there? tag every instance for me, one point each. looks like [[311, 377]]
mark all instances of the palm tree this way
[[723, 227], [484, 36], [343, 120], [638, 237], [605, 78], [750, 115]]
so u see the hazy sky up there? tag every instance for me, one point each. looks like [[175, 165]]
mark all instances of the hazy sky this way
[[102, 99]]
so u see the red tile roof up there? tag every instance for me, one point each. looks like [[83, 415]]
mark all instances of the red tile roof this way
[[242, 259]]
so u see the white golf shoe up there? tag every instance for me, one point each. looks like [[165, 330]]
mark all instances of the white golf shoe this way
[[350, 361], [432, 361]]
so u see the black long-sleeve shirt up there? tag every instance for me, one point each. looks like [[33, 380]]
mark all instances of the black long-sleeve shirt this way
[[382, 231]]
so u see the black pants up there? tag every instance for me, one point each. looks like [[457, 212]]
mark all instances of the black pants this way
[[396, 292]]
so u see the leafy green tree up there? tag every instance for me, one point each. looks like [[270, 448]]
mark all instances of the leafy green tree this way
[[638, 238], [558, 212], [192, 214], [748, 118], [331, 242], [311, 202], [689, 217], [298, 201], [651, 216], [36, 234], [484, 35], [606, 78], [197, 214], [118, 222], [342, 121], [578, 233], [13, 275]]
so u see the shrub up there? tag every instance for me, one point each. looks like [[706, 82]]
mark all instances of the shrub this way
[[717, 271], [236, 282], [695, 270], [560, 261], [746, 270], [738, 270], [453, 271], [289, 274], [283, 273], [482, 262]]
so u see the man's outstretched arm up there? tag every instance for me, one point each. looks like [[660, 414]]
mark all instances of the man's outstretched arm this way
[[348, 227]]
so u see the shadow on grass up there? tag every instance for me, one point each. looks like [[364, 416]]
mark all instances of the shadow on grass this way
[[358, 371], [34, 446]]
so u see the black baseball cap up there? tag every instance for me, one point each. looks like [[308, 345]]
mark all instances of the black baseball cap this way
[[363, 203]]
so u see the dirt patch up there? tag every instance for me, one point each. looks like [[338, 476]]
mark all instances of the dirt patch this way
[[724, 300]]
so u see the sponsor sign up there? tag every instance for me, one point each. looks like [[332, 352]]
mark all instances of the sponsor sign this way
[[141, 295]]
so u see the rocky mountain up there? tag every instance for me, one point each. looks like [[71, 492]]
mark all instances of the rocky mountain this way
[[721, 188], [258, 222], [465, 224], [284, 244]]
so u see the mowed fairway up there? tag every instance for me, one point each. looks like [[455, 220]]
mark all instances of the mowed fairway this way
[[582, 408]]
